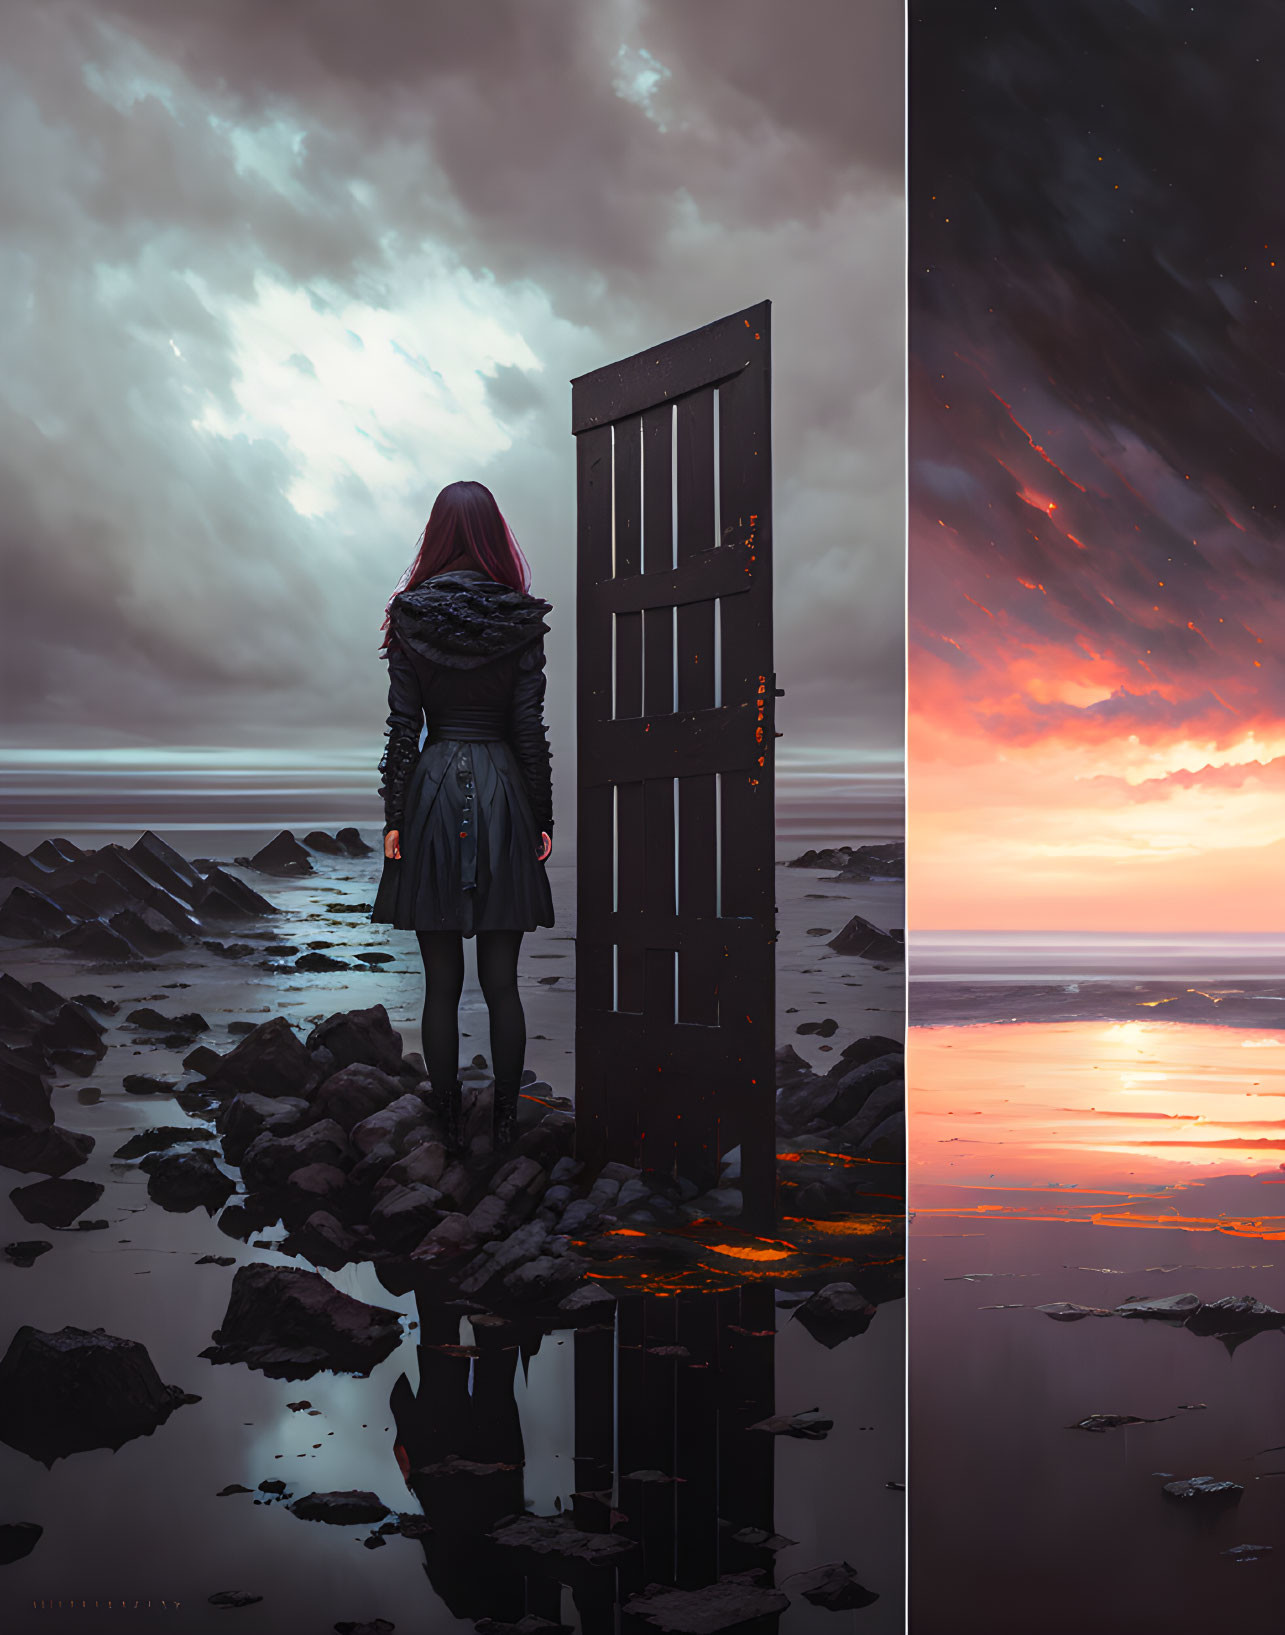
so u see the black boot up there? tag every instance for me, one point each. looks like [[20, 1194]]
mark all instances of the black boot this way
[[450, 1107], [504, 1115]]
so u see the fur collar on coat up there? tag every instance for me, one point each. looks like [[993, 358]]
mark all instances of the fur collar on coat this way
[[461, 618]]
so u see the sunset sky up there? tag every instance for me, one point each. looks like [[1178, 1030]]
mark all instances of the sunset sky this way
[[1097, 579], [275, 273]]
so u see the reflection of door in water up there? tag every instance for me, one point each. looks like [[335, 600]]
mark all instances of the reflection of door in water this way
[[675, 978], [663, 1458]]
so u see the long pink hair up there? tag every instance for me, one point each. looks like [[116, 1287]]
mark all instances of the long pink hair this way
[[465, 526]]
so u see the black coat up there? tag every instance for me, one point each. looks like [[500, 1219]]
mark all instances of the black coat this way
[[466, 655]]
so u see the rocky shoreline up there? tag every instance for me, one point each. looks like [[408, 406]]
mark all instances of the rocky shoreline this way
[[336, 1138]]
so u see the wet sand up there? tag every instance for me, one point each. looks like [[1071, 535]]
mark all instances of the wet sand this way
[[143, 1524], [1088, 1161]]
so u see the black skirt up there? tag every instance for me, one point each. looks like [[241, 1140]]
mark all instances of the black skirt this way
[[468, 846]]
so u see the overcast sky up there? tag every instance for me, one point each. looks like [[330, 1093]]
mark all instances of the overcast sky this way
[[273, 274]]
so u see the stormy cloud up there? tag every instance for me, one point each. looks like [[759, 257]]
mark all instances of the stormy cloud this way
[[272, 275]]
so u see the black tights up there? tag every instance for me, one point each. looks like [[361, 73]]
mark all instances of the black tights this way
[[497, 968]]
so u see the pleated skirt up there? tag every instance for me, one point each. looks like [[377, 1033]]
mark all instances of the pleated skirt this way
[[468, 843]]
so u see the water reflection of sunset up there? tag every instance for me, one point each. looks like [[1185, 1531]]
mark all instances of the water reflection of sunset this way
[[1095, 1105]]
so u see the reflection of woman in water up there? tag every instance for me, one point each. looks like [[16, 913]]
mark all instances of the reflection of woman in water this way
[[468, 818]]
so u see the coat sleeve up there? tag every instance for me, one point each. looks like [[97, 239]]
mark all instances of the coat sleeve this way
[[401, 731], [528, 736]]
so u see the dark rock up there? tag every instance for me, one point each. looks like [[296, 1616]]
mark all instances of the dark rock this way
[[190, 1022], [46, 1149], [1171, 1307], [55, 1203], [1111, 1422], [558, 1536], [404, 1215], [224, 896], [864, 940], [1206, 1489], [14, 866], [96, 1002], [151, 933], [451, 1238], [1066, 1311], [869, 1049], [51, 854], [30, 916], [216, 1260], [705, 1611], [399, 1124], [1234, 1314], [93, 896], [270, 1159], [271, 1061], [834, 1586], [282, 855], [377, 1626], [1247, 1552], [589, 1298], [248, 1116], [320, 962], [183, 1181], [239, 1220], [324, 1240], [887, 1140], [23, 1091], [811, 1425], [18, 1539], [146, 1084], [351, 841], [424, 1164], [233, 1598], [291, 1323], [203, 1060], [835, 1313], [28, 1252], [160, 1136], [354, 1093], [316, 1182], [825, 1028], [165, 866], [96, 940], [350, 1508], [318, 840], [544, 1277], [360, 1036], [71, 1390]]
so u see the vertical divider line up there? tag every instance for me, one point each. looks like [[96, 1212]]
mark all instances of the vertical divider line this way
[[615, 848], [615, 976]]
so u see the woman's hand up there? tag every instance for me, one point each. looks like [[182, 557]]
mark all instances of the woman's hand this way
[[546, 846], [392, 844]]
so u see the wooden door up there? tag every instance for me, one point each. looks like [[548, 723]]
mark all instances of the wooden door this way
[[675, 978]]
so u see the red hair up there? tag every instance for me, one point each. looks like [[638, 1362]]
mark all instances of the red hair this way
[[466, 528]]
